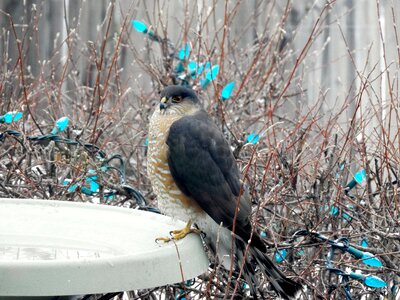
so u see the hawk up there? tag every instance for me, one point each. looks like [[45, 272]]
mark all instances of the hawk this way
[[196, 179]]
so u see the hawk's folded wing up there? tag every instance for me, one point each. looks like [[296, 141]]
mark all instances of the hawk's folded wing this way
[[203, 167]]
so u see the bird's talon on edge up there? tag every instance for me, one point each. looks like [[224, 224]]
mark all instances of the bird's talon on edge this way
[[179, 233], [162, 239]]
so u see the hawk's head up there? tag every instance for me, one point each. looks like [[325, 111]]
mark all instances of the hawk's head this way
[[176, 99]]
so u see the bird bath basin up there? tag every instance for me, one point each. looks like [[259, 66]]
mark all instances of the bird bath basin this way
[[54, 248]]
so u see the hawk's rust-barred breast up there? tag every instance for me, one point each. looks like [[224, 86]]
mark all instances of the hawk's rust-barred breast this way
[[196, 179]]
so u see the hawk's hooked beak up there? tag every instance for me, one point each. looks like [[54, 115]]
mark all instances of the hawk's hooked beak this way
[[163, 103]]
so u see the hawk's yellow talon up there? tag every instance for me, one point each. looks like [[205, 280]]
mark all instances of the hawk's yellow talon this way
[[179, 233], [162, 239]]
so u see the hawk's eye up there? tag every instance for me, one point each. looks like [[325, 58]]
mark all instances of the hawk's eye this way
[[176, 99]]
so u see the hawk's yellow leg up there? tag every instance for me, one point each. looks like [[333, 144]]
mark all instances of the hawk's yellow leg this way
[[179, 233]]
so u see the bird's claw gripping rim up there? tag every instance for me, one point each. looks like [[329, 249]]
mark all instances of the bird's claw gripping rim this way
[[179, 233]]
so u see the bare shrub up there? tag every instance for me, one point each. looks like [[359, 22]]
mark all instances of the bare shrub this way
[[299, 163]]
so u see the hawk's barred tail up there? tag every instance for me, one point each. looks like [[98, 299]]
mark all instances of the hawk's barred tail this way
[[285, 287]]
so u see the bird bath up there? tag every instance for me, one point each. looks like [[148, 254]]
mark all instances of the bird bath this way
[[54, 248]]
